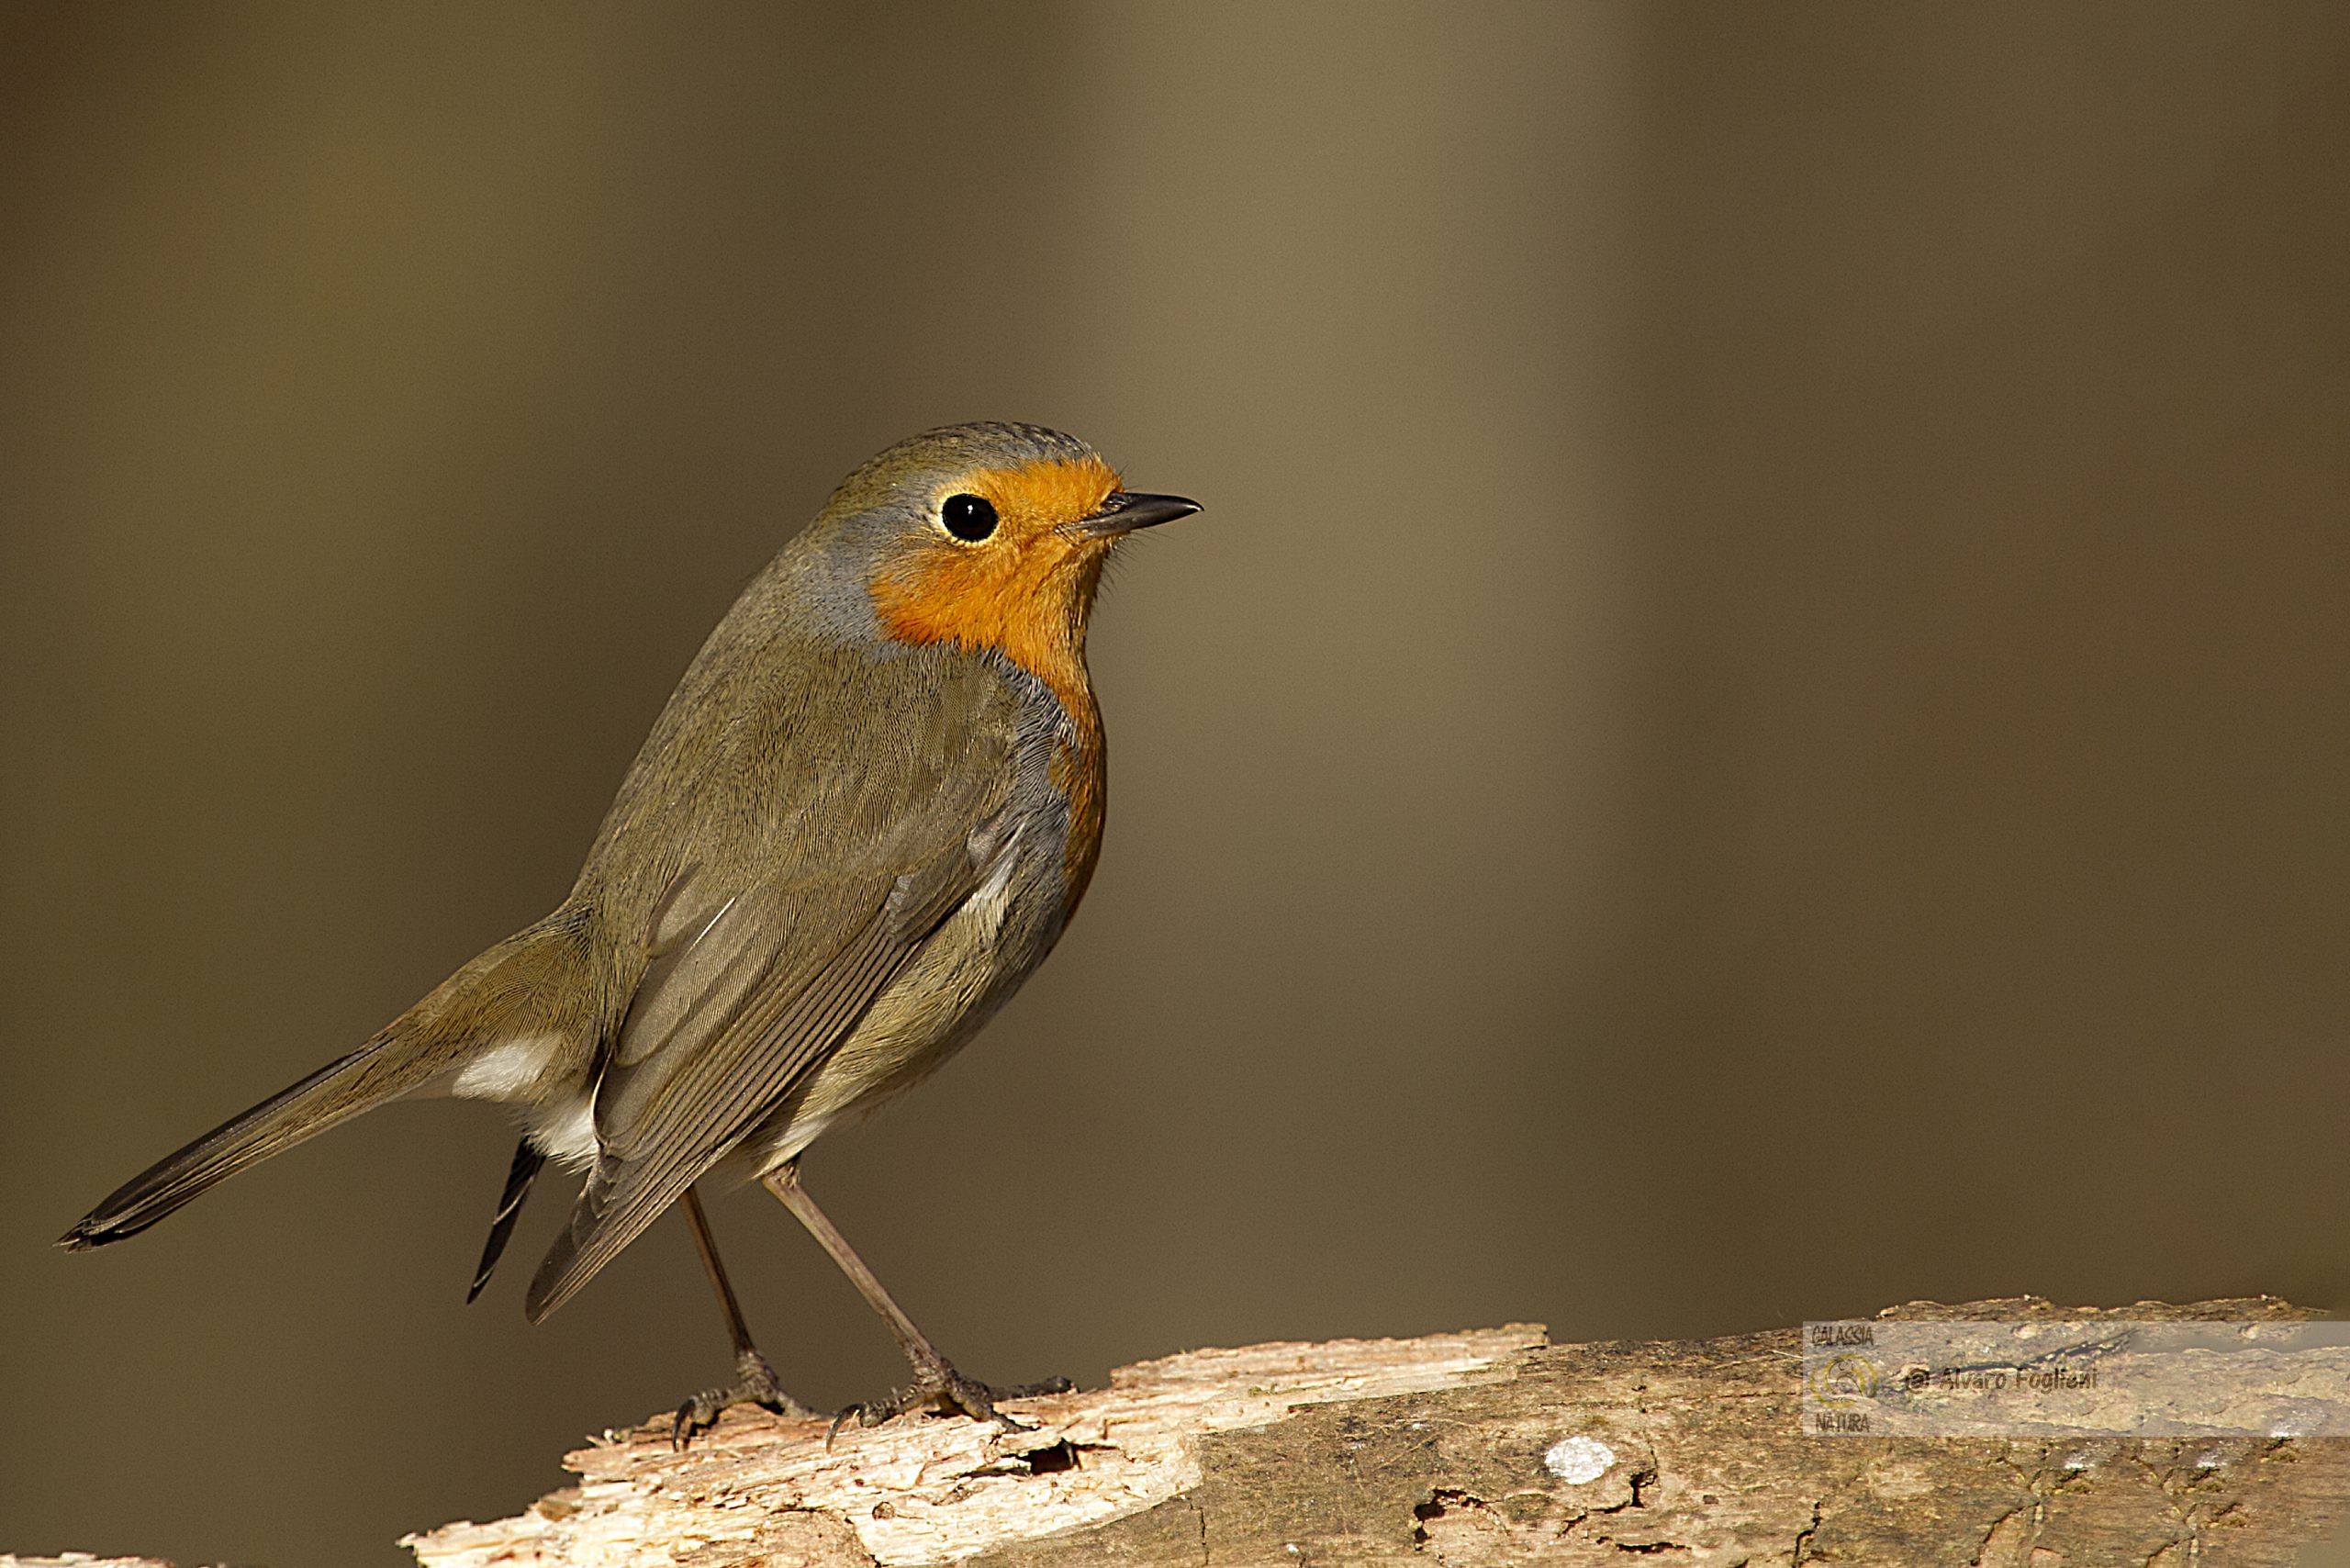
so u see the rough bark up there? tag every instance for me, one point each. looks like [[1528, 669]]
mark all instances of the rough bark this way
[[1429, 1451], [1446, 1449]]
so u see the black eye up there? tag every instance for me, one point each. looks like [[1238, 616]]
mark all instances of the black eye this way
[[969, 516]]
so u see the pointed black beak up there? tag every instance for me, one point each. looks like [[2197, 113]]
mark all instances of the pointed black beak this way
[[1126, 511]]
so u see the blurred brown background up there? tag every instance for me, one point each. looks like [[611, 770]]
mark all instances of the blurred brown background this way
[[1758, 723]]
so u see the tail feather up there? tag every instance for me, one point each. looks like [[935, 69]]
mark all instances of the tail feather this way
[[518, 1177], [329, 1097], [528, 982]]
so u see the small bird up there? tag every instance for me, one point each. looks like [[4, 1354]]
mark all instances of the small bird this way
[[864, 817]]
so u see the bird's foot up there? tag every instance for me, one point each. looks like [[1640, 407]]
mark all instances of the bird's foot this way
[[942, 1391], [755, 1383]]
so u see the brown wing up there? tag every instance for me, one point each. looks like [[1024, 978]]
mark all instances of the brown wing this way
[[764, 959]]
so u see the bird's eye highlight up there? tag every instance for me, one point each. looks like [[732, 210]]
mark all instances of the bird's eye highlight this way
[[968, 518]]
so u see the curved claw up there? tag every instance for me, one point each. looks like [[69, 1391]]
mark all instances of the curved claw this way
[[840, 1418], [695, 1416]]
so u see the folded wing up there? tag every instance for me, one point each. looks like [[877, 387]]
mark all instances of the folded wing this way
[[760, 965]]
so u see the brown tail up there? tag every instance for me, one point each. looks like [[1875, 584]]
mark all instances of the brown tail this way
[[476, 1004], [333, 1094]]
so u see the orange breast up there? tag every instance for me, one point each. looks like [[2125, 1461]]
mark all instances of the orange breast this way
[[1083, 777]]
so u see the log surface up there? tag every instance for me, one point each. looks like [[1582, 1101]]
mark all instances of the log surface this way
[[1488, 1446], [1482, 1448]]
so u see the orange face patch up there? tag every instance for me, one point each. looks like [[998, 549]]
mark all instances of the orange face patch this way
[[1024, 591], [1046, 494]]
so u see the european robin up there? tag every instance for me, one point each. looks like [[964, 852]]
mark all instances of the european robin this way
[[863, 819]]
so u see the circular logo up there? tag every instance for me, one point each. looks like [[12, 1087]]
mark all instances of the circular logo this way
[[1842, 1382]]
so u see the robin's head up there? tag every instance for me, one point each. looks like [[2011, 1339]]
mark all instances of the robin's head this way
[[989, 536]]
